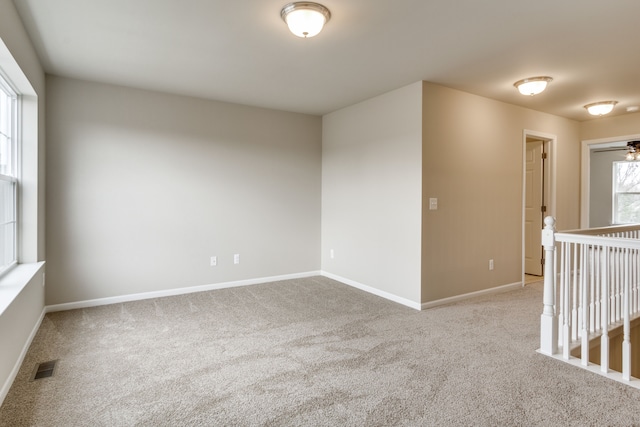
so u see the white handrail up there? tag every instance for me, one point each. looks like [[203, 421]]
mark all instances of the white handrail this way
[[598, 289]]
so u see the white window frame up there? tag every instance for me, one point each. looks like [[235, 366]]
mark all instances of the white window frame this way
[[615, 193], [10, 175]]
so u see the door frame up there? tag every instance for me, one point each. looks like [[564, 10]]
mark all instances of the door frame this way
[[549, 178], [585, 176], [536, 182]]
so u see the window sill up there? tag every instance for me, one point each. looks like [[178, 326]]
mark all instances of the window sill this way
[[12, 283]]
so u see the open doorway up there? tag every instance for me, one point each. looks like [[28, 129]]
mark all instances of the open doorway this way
[[598, 156], [538, 200]]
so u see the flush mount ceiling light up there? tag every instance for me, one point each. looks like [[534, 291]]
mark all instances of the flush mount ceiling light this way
[[600, 108], [305, 19], [532, 85]]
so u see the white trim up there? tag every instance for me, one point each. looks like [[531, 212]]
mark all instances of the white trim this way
[[552, 141], [173, 292], [16, 367], [374, 291], [449, 300], [585, 190], [15, 280]]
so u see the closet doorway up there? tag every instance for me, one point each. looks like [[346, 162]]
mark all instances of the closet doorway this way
[[538, 199]]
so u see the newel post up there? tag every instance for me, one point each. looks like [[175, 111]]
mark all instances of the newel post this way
[[549, 318]]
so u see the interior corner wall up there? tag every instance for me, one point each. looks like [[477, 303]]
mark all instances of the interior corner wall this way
[[144, 187], [371, 197], [473, 164]]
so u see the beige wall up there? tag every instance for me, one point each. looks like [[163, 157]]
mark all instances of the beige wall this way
[[144, 187], [371, 196], [472, 162], [609, 127]]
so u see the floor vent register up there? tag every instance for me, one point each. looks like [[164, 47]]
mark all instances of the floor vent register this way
[[44, 370]]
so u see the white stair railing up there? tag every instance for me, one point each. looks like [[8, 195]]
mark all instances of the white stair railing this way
[[594, 288]]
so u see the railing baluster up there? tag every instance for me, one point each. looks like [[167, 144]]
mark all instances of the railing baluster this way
[[617, 282], [584, 285], [559, 291], [566, 285], [604, 339], [626, 343], [596, 284], [574, 289], [592, 312], [636, 266], [564, 289], [612, 285], [634, 282]]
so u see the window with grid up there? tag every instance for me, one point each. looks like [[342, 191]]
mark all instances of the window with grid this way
[[626, 192], [8, 176]]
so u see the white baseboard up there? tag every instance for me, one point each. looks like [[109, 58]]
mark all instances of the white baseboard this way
[[16, 367], [462, 297], [374, 291], [173, 292], [202, 288]]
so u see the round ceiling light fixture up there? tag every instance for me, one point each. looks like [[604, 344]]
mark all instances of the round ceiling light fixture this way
[[600, 108], [532, 85], [305, 19]]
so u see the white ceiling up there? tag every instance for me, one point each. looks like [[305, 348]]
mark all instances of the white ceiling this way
[[241, 51]]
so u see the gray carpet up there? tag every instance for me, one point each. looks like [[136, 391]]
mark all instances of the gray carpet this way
[[307, 352]]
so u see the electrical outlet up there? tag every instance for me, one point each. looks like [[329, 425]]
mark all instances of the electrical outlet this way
[[236, 258], [490, 264], [331, 254], [214, 261]]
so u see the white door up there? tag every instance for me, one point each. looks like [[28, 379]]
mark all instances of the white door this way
[[533, 215]]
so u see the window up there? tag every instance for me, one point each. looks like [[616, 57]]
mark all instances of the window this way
[[8, 176], [626, 192]]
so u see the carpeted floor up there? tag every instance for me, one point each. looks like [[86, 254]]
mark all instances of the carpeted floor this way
[[308, 352]]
